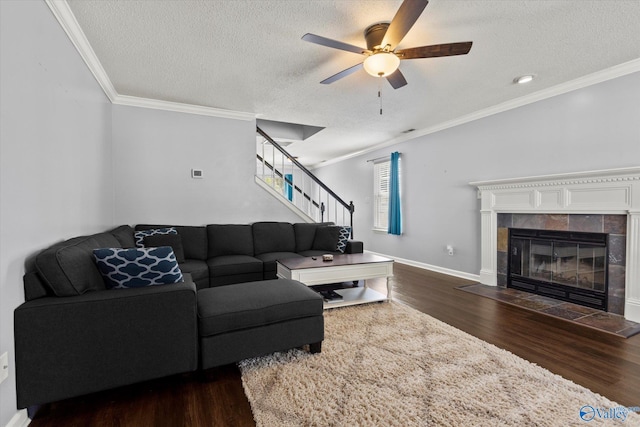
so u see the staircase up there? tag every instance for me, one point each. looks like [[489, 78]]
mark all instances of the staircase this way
[[285, 178]]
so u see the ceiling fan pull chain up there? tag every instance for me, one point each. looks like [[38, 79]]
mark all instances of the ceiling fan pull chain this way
[[380, 93]]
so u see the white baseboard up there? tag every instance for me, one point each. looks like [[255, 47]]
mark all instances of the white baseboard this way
[[437, 269], [20, 419]]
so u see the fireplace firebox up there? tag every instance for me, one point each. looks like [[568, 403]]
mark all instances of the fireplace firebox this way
[[566, 265]]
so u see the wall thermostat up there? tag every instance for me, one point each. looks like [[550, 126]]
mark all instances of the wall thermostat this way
[[196, 173]]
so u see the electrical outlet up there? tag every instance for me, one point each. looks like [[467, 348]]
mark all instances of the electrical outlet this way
[[450, 250], [4, 366]]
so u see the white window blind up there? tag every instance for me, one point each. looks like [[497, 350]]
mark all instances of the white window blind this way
[[381, 172]]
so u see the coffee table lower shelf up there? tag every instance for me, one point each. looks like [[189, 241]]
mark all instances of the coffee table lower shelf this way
[[353, 296]]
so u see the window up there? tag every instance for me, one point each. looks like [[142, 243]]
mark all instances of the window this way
[[381, 175]]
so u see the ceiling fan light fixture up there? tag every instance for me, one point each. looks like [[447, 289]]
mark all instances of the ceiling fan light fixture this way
[[381, 64], [381, 60]]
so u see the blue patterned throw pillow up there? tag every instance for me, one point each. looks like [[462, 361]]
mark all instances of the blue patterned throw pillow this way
[[141, 234], [345, 232], [137, 267]]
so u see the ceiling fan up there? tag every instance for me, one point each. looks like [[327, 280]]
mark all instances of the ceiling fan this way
[[382, 56]]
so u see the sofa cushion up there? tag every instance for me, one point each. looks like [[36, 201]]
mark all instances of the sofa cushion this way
[[274, 256], [124, 234], [172, 240], [139, 235], [254, 304], [68, 268], [305, 233], [230, 239], [34, 286], [273, 237], [137, 267], [269, 259], [229, 265], [194, 239], [199, 271]]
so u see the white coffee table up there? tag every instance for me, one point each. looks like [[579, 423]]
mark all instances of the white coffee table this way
[[344, 268]]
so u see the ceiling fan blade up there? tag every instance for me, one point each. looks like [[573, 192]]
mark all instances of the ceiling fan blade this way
[[406, 16], [447, 49], [312, 38], [341, 74], [396, 79]]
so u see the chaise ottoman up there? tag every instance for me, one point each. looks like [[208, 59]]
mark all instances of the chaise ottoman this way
[[257, 318]]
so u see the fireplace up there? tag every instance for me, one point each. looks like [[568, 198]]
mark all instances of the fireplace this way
[[566, 265], [568, 202]]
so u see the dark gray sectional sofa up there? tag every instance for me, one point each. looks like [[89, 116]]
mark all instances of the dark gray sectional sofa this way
[[73, 336]]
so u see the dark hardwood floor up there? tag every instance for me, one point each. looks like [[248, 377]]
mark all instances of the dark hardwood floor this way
[[606, 364]]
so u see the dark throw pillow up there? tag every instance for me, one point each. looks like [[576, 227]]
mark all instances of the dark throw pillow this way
[[137, 267], [331, 238], [173, 240], [140, 235], [326, 239]]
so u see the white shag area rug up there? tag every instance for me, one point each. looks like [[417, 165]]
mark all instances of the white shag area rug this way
[[390, 365]]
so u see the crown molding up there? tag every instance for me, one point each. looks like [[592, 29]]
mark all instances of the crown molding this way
[[134, 101], [579, 83], [68, 22]]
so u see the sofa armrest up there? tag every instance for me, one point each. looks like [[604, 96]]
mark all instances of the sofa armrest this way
[[354, 247], [70, 346]]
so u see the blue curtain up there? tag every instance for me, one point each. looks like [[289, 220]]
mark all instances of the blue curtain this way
[[288, 189], [395, 212]]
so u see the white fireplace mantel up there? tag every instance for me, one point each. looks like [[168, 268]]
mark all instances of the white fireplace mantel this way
[[613, 191]]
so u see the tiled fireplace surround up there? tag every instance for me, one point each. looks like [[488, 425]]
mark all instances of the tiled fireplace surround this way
[[614, 225], [600, 201]]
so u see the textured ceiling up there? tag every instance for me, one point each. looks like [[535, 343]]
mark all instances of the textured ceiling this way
[[248, 56]]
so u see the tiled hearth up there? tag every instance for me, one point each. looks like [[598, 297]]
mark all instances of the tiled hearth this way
[[614, 225], [585, 316]]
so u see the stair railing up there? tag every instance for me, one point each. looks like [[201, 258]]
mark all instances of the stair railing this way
[[298, 186]]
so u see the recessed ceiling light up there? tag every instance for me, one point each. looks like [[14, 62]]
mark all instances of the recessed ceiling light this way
[[523, 79]]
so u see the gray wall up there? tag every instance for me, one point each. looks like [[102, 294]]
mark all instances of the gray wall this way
[[593, 128], [55, 154], [154, 152], [73, 164]]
